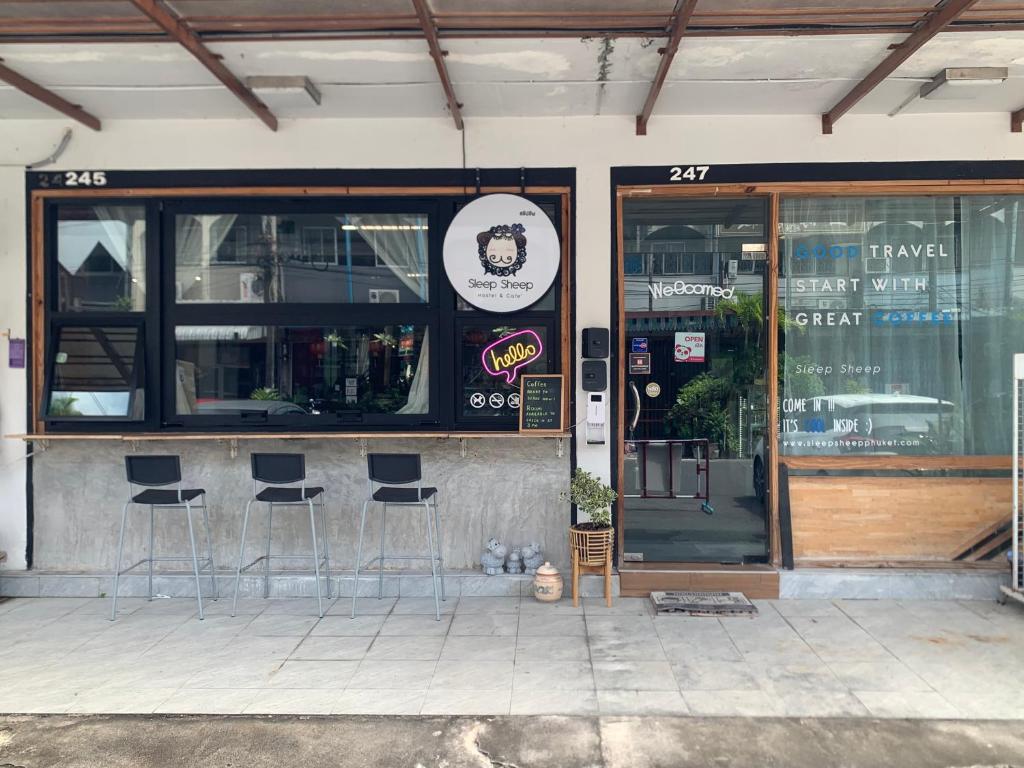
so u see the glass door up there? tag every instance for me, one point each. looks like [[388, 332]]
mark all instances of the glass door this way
[[694, 326]]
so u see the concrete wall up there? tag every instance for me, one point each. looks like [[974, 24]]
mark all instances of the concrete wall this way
[[591, 145], [508, 489]]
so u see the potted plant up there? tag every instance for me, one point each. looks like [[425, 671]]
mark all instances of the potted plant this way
[[591, 541]]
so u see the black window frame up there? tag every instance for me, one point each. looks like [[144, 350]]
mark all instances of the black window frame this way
[[147, 319], [138, 376], [441, 314], [296, 314]]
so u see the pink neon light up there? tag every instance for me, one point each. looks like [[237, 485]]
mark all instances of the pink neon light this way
[[517, 354]]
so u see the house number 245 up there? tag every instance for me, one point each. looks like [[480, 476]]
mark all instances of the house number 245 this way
[[689, 173]]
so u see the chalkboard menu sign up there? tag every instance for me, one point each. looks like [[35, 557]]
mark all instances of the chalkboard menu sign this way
[[540, 408]]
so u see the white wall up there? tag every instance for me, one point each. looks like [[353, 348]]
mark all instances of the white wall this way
[[591, 145]]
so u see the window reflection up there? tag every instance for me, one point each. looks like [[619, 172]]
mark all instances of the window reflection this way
[[101, 258], [366, 258], [902, 317], [295, 371], [96, 372]]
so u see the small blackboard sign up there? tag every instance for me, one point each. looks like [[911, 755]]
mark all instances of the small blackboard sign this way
[[540, 404]]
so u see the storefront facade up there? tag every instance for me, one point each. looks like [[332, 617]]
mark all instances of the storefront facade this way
[[829, 468]]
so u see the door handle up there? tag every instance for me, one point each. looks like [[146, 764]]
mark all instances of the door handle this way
[[636, 413]]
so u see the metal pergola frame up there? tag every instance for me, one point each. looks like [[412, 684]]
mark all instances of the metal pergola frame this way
[[159, 21]]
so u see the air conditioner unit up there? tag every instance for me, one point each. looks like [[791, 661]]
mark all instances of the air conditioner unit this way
[[877, 266], [383, 296]]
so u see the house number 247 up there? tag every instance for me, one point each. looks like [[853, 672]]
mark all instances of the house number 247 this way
[[689, 173]]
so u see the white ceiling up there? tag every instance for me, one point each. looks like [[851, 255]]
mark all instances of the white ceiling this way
[[514, 77]]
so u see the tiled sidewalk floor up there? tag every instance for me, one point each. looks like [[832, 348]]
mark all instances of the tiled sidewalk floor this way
[[506, 655]]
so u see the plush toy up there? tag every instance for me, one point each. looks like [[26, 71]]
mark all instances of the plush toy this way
[[533, 558], [514, 564], [493, 559]]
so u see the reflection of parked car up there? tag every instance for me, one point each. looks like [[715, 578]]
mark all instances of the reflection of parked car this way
[[873, 423], [865, 423], [269, 407]]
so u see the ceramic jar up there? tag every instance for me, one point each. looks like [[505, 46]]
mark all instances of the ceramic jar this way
[[547, 584]]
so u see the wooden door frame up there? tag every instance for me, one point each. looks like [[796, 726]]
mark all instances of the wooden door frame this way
[[774, 191]]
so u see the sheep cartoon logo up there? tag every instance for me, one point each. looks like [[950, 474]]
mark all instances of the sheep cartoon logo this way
[[502, 249]]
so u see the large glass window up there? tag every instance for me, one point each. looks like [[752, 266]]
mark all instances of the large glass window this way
[[315, 313], [348, 371], [95, 372], [364, 258], [902, 315], [101, 258]]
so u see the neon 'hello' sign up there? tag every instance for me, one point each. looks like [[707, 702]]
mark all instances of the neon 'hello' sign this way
[[506, 356]]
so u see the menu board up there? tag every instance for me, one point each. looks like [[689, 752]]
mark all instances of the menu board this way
[[541, 409]]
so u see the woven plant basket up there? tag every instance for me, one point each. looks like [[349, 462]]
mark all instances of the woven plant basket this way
[[591, 547]]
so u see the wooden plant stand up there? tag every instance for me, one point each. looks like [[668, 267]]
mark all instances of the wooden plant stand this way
[[591, 553]]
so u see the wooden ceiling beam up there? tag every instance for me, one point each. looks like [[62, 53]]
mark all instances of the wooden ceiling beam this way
[[668, 53], [188, 39], [433, 42], [930, 26], [48, 97]]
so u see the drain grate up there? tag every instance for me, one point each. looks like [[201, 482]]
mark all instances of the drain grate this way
[[703, 603]]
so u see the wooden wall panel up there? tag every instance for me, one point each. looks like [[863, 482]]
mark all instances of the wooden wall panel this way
[[755, 584], [891, 518]]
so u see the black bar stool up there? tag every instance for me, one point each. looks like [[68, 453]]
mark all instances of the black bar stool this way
[[391, 472], [275, 470], [155, 473]]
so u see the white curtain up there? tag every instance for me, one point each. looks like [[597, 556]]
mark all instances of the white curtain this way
[[874, 326], [419, 393], [397, 244], [196, 240]]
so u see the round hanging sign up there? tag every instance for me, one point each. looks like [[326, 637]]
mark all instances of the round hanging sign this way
[[501, 253]]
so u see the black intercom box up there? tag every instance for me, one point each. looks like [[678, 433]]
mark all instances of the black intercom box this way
[[595, 342], [595, 376]]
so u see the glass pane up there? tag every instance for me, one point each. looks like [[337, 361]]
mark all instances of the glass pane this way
[[903, 315], [693, 457], [365, 258], [101, 257], [493, 358], [282, 371], [94, 374]]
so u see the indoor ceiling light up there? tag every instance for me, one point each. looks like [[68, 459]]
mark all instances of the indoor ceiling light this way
[[959, 77]]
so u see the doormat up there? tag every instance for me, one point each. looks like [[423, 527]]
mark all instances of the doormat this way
[[703, 603]]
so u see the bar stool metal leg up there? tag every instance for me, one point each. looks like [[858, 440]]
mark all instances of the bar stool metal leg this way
[[316, 559], [383, 528], [266, 562], [327, 549], [151, 521], [209, 550], [117, 564], [195, 558], [241, 554], [433, 559], [359, 557], [440, 552]]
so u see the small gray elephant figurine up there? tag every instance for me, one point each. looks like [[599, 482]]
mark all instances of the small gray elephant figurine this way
[[533, 558], [493, 560]]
